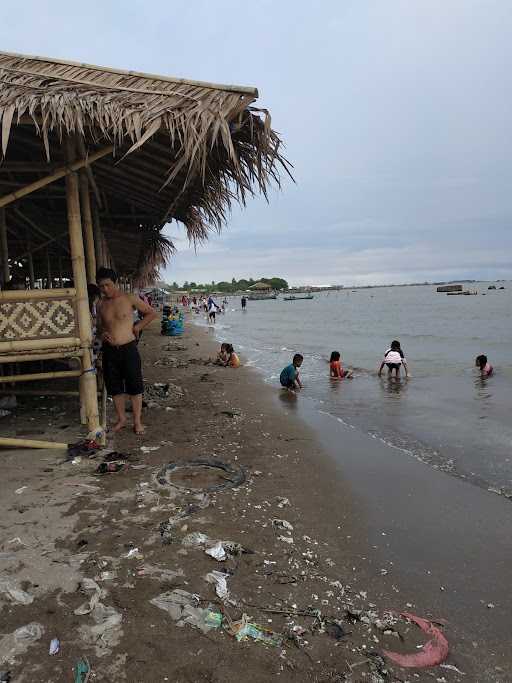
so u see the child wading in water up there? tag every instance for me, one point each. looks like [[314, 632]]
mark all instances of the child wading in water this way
[[289, 377], [336, 370], [394, 358], [484, 366]]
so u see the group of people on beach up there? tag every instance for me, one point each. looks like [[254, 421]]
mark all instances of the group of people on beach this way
[[394, 359]]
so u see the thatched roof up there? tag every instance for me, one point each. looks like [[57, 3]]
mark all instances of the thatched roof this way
[[183, 149], [261, 286]]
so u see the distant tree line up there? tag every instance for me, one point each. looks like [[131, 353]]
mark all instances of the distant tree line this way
[[230, 287]]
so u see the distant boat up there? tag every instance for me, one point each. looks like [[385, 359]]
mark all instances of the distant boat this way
[[491, 287], [449, 289], [294, 297], [467, 292]]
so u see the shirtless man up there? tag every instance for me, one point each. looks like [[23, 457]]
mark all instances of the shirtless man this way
[[122, 369]]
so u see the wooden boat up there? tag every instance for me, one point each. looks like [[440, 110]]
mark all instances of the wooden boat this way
[[294, 297]]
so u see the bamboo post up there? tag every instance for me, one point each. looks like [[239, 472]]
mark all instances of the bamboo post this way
[[88, 387], [4, 250], [49, 269], [98, 239], [85, 207], [31, 443], [31, 275]]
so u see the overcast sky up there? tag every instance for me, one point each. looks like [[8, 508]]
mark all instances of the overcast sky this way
[[396, 114]]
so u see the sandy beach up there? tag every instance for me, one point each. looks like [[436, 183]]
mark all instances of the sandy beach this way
[[321, 536]]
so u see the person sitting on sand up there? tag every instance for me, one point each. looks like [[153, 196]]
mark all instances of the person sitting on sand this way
[[222, 356], [289, 376], [484, 366], [394, 358], [233, 359], [336, 370], [122, 368]]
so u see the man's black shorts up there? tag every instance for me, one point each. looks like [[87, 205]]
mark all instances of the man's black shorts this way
[[122, 369], [393, 366]]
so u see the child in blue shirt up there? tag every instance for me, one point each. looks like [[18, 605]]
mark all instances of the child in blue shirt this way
[[289, 377]]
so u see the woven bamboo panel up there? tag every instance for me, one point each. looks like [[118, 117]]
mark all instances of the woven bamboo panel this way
[[38, 319]]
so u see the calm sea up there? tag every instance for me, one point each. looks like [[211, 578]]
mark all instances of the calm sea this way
[[445, 415]]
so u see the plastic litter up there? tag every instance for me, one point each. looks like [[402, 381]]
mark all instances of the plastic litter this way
[[88, 606], [20, 490], [219, 579], [183, 609], [134, 552], [19, 641], [5, 677], [195, 539], [81, 670], [282, 524], [217, 552], [109, 467], [10, 589], [54, 646], [106, 632], [148, 449], [434, 652], [285, 539], [244, 629]]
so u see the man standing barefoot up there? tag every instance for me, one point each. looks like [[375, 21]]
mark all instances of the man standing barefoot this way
[[122, 368]]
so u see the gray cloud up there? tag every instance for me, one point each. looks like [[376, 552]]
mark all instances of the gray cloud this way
[[396, 115]]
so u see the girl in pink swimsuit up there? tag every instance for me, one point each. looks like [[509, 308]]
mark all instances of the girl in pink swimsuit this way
[[484, 366]]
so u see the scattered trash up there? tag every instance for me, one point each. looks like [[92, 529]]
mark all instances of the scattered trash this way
[[451, 667], [54, 646], [149, 449], [243, 629], [86, 586], [433, 652], [106, 632], [88, 448], [134, 552], [334, 630], [10, 589], [183, 609], [5, 677], [109, 467], [107, 576], [282, 524], [285, 539], [217, 552], [282, 502], [491, 605], [195, 539], [20, 490], [19, 641], [219, 579], [81, 670]]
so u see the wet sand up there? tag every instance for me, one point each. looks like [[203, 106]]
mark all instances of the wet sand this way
[[342, 493]]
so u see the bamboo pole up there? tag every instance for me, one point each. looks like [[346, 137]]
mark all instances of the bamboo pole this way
[[88, 230], [88, 387], [26, 294], [49, 269], [4, 250], [22, 391], [98, 239], [59, 173], [35, 376], [31, 443], [38, 344], [26, 357]]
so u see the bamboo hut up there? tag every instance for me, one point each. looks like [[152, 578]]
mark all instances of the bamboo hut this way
[[94, 162]]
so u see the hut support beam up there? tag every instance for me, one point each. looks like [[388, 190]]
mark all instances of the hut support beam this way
[[4, 249], [85, 206], [59, 173], [88, 388]]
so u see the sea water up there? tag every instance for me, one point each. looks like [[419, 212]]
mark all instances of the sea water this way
[[445, 415]]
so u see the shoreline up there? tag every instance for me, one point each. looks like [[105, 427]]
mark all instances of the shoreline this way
[[330, 565]]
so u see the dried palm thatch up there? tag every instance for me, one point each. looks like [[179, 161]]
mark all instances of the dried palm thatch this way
[[183, 149]]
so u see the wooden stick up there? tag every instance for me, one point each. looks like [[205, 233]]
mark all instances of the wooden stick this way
[[35, 376], [31, 443], [88, 386], [59, 173], [85, 207], [4, 250]]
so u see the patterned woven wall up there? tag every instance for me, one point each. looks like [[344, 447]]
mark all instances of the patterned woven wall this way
[[38, 319]]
